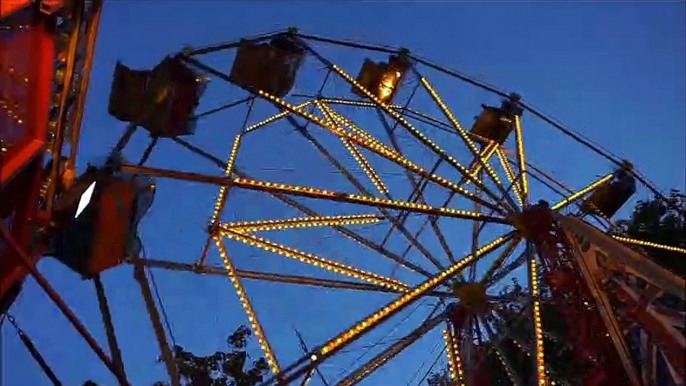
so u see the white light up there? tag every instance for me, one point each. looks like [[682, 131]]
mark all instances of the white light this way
[[85, 199]]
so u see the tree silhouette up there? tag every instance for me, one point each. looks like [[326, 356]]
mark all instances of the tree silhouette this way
[[439, 378], [661, 223], [223, 368]]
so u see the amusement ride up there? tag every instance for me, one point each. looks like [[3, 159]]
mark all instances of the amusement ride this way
[[394, 181]]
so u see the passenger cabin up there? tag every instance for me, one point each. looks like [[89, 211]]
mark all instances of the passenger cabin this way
[[270, 67], [127, 94], [496, 123], [97, 220], [163, 100], [382, 79], [611, 196]]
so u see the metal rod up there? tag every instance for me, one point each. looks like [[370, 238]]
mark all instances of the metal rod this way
[[476, 230], [230, 45], [375, 363], [362, 327], [368, 47], [224, 191], [347, 232], [496, 277], [109, 326], [500, 260], [206, 68], [202, 153], [420, 198], [52, 294], [33, 350], [78, 15], [458, 75], [91, 38], [289, 201], [447, 201], [148, 151], [220, 108], [125, 138], [272, 277], [468, 141], [177, 175], [303, 345], [167, 356], [523, 182]]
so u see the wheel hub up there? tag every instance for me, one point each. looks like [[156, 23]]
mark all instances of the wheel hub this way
[[534, 221], [472, 296]]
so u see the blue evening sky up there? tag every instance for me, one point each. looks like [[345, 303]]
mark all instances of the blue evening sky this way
[[612, 71]]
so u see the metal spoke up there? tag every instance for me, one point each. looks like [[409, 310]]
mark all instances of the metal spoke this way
[[497, 263], [375, 363], [304, 209], [452, 348], [355, 182], [506, 270], [272, 277], [510, 175], [538, 352], [649, 244], [382, 151], [276, 117], [272, 187], [317, 261], [465, 137], [434, 220], [228, 171], [523, 182], [476, 229], [220, 108], [247, 306], [405, 124], [335, 344], [420, 198], [300, 222], [595, 185], [348, 233]]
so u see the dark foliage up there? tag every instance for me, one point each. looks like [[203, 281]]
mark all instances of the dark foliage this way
[[230, 368], [658, 222]]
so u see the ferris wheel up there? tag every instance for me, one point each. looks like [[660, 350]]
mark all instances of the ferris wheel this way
[[349, 170]]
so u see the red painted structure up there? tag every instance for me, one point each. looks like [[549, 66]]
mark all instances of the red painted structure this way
[[27, 50], [9, 7], [585, 330], [27, 57]]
